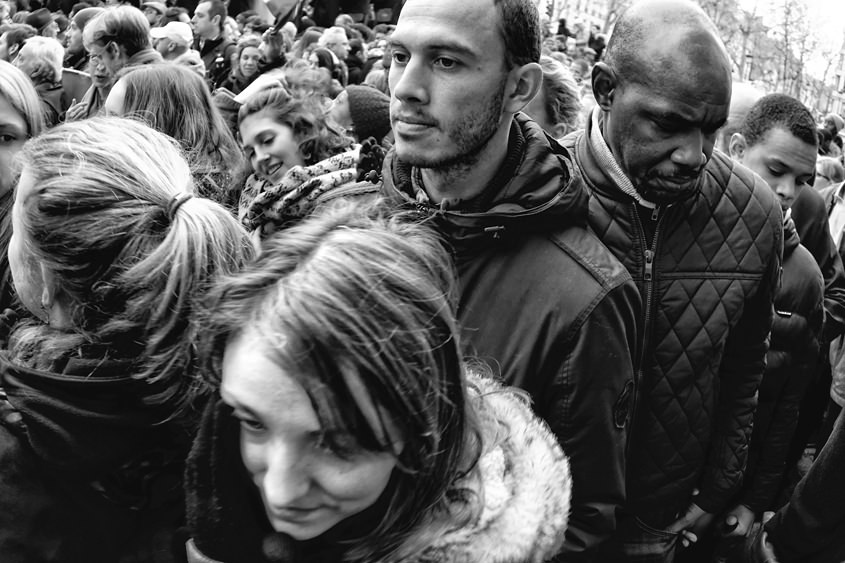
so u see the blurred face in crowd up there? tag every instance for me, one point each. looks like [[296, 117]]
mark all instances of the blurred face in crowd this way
[[152, 15], [74, 38], [50, 30], [13, 134], [661, 127], [104, 64], [4, 48], [26, 62], [248, 61], [204, 25], [270, 146], [447, 81], [783, 160], [306, 485], [339, 46], [339, 111]]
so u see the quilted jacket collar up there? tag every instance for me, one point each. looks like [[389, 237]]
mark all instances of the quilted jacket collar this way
[[542, 192]]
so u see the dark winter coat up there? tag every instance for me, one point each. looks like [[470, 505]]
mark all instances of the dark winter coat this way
[[546, 305], [810, 212], [707, 282], [792, 355], [87, 471]]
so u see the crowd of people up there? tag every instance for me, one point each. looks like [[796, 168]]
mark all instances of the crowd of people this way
[[427, 285]]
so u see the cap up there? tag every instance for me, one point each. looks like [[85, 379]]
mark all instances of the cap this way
[[175, 31], [39, 18], [157, 6]]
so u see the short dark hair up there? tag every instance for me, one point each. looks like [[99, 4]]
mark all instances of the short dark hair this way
[[217, 8], [519, 23], [17, 33], [779, 110]]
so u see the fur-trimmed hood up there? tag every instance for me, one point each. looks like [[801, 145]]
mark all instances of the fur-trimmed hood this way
[[522, 479], [525, 486]]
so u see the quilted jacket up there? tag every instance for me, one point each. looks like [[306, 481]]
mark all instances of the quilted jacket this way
[[546, 305], [792, 356], [707, 284]]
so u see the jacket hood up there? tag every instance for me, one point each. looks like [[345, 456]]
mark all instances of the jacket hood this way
[[537, 189], [524, 483], [90, 417]]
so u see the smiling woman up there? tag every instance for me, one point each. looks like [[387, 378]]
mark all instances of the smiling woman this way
[[364, 435]]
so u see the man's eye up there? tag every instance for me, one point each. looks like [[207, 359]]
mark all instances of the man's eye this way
[[8, 138], [400, 58], [250, 425], [446, 63]]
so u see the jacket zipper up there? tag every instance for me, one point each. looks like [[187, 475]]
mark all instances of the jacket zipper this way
[[648, 278]]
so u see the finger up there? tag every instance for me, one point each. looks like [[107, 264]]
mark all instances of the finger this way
[[689, 536], [73, 102], [732, 520]]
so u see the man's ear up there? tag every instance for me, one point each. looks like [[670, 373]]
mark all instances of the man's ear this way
[[604, 82], [737, 146], [216, 21], [523, 84], [13, 51]]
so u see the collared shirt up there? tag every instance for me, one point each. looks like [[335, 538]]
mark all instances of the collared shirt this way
[[836, 215]]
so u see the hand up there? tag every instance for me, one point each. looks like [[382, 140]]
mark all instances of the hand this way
[[76, 110], [691, 524], [738, 521]]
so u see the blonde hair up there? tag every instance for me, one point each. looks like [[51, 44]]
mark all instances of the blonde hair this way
[[47, 54], [18, 90], [112, 220]]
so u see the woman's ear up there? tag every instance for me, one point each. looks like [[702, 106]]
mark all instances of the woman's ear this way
[[53, 301]]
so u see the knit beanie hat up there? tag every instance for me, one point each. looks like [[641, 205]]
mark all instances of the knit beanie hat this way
[[370, 111]]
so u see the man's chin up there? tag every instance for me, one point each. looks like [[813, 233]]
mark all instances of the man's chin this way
[[666, 196]]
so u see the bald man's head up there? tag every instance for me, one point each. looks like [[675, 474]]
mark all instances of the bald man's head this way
[[663, 91], [658, 36], [743, 96]]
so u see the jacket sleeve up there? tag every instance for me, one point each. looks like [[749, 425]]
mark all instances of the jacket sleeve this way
[[589, 412], [762, 486], [740, 373], [810, 215], [814, 518]]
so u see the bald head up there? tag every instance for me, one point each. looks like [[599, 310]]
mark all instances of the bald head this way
[[658, 37], [743, 97]]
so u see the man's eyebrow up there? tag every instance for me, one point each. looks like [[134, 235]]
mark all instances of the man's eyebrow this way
[[441, 46]]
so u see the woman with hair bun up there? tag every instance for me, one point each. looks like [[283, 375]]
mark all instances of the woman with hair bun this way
[[98, 392], [347, 427]]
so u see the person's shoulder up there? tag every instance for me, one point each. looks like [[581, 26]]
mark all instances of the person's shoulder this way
[[750, 195]]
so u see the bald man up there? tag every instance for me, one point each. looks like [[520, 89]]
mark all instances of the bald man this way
[[702, 238]]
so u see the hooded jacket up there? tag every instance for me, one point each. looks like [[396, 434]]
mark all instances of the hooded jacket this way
[[545, 304], [523, 485], [88, 472], [707, 281], [792, 356]]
